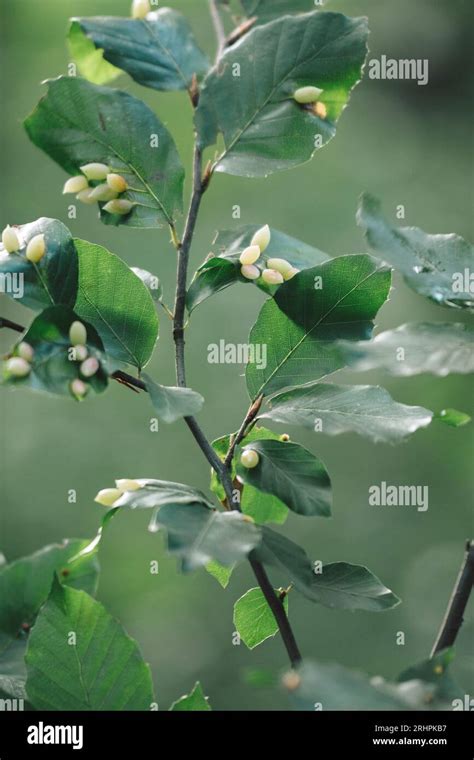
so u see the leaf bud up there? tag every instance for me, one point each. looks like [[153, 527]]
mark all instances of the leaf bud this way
[[117, 182], [272, 277], [249, 255], [18, 367], [319, 109], [95, 171], [125, 484], [89, 367], [108, 496], [250, 272], [36, 249], [80, 353], [291, 680], [262, 237], [78, 389], [84, 196], [307, 94], [10, 239], [284, 437], [280, 265], [75, 184], [118, 206], [140, 8], [290, 273], [249, 458], [78, 334], [103, 193], [25, 351]]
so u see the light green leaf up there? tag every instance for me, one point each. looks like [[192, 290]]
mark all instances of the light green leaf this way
[[335, 687], [218, 272], [263, 127], [438, 267], [219, 572], [366, 410], [159, 51], [157, 493], [195, 701], [113, 299], [77, 123], [171, 404], [53, 367], [435, 347], [265, 10], [92, 545], [253, 618], [339, 585], [53, 280], [261, 507], [292, 474], [102, 669], [299, 326], [11, 688], [453, 417], [151, 281]]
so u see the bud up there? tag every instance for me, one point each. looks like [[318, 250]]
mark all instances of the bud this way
[[25, 351], [280, 265], [103, 193], [78, 334], [119, 206], [290, 273], [18, 367], [36, 249], [249, 458], [89, 367], [272, 277], [75, 184], [10, 239], [78, 389], [95, 171], [127, 485], [80, 353], [319, 109], [249, 255], [108, 496], [117, 182], [85, 196], [291, 680], [284, 437], [140, 8], [262, 238], [250, 272], [307, 94]]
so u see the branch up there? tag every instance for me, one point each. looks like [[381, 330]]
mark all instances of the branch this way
[[218, 27], [454, 615], [242, 432], [4, 322]]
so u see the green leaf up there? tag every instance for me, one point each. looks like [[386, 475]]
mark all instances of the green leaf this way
[[261, 507], [366, 410], [265, 10], [12, 687], [150, 281], [113, 299], [218, 272], [25, 585], [92, 545], [263, 127], [329, 686], [453, 418], [157, 493], [198, 535], [53, 367], [253, 618], [292, 474], [435, 347], [171, 404], [159, 51], [219, 572], [195, 701], [299, 326], [435, 266], [53, 280], [101, 669], [339, 584], [435, 671], [77, 123]]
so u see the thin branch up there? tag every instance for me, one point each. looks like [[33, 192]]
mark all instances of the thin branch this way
[[4, 322], [454, 615], [242, 432], [218, 27]]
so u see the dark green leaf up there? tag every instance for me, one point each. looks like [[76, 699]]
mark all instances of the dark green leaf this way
[[339, 584], [157, 493], [151, 281], [438, 267], [292, 474], [435, 347], [299, 326], [264, 129], [100, 669], [117, 303], [195, 701], [77, 123], [367, 410], [211, 277], [261, 507], [50, 282], [171, 404], [453, 417], [159, 51], [435, 671], [53, 367], [253, 618]]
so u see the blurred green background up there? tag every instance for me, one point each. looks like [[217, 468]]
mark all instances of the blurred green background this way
[[410, 145]]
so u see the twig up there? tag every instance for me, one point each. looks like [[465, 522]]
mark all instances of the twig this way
[[242, 432], [237, 33], [4, 322], [218, 27], [454, 615]]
